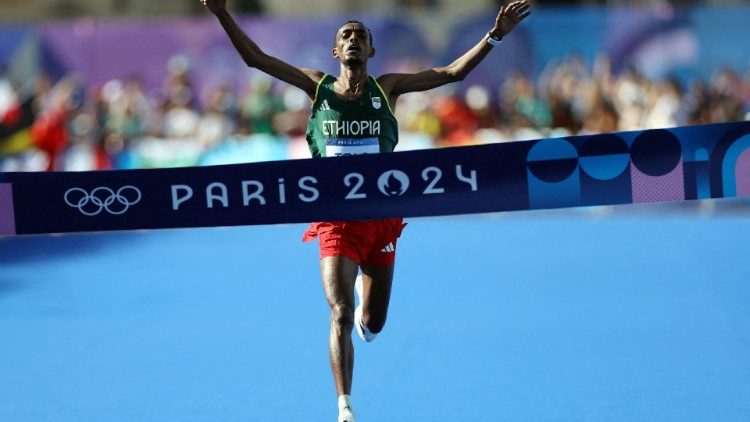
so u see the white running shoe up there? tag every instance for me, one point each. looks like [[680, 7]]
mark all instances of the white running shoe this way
[[346, 414], [359, 323]]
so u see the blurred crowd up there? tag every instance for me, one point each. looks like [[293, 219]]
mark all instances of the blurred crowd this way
[[69, 125]]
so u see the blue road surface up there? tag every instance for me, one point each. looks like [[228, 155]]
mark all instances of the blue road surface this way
[[545, 316]]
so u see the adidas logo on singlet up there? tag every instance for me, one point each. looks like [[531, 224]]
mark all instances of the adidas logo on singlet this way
[[324, 106]]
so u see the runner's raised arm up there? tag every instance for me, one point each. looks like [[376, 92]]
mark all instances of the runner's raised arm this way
[[304, 79], [395, 84]]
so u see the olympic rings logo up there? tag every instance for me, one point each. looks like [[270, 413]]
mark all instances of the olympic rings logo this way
[[103, 199]]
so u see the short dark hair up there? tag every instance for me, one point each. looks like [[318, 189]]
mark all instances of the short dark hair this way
[[369, 34]]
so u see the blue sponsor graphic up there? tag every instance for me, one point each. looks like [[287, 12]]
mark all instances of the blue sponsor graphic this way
[[695, 162], [352, 142], [339, 147]]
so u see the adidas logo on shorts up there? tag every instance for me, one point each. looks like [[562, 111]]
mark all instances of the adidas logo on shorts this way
[[389, 248]]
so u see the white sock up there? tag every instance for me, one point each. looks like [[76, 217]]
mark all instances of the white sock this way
[[345, 401], [346, 413]]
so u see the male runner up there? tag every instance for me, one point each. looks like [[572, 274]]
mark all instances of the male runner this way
[[355, 96]]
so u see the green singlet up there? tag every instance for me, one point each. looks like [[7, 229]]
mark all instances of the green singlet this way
[[339, 127]]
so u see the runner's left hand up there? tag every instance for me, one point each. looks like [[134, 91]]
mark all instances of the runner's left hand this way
[[511, 15]]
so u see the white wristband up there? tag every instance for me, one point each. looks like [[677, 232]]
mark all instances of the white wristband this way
[[492, 40]]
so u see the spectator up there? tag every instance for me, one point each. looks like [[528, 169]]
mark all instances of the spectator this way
[[119, 126]]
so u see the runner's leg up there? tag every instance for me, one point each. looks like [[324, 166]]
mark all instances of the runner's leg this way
[[338, 274], [377, 281]]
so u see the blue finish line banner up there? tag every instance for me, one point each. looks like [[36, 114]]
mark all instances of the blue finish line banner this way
[[695, 162]]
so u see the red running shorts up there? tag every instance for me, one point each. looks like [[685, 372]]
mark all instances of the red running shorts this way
[[365, 242]]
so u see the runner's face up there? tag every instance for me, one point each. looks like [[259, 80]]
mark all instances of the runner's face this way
[[352, 44]]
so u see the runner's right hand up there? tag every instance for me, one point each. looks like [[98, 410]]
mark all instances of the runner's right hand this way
[[215, 6]]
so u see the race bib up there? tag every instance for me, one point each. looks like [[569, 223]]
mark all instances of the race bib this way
[[351, 146]]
